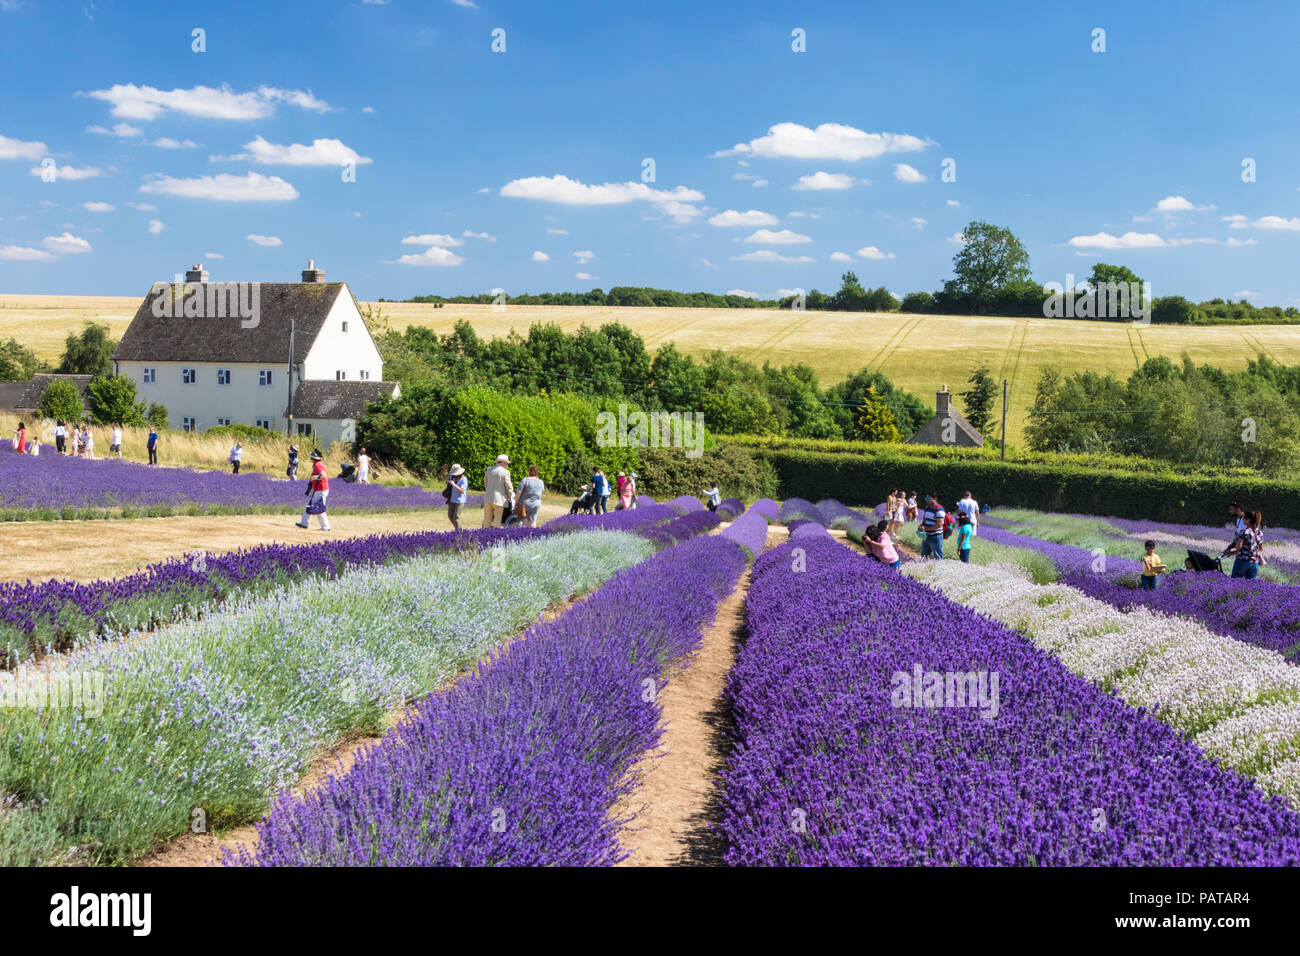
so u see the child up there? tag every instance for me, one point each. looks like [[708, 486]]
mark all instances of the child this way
[[883, 545], [965, 530], [1151, 566], [872, 540]]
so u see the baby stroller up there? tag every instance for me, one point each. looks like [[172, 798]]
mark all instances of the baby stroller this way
[[1202, 562], [348, 473], [510, 519]]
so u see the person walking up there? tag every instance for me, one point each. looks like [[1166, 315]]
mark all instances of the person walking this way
[[152, 445], [498, 492], [965, 531], [1248, 546], [236, 456], [318, 491], [20, 438], [912, 511], [88, 442], [600, 490], [60, 437], [75, 448], [971, 509], [116, 445], [457, 494], [530, 492], [624, 493], [932, 521], [363, 466], [714, 495], [1151, 566], [34, 446], [292, 470], [632, 480]]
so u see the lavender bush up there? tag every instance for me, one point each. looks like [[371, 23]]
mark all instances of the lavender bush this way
[[680, 528], [767, 508], [686, 503], [794, 509], [749, 531], [520, 763], [731, 508], [827, 771]]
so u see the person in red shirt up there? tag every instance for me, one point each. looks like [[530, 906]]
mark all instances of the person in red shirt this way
[[20, 439], [318, 489]]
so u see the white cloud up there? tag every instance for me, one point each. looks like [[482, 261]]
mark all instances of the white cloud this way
[[758, 183], [1236, 221], [1142, 219], [478, 235], [841, 257], [367, 109], [432, 239], [733, 217], [24, 254], [17, 149], [142, 206], [148, 103], [264, 240], [539, 256], [156, 226], [953, 202], [1276, 222], [321, 152], [706, 262], [770, 255], [166, 142], [69, 173], [97, 206], [1174, 204], [747, 295], [584, 256], [556, 232], [1134, 240], [956, 239], [908, 174], [571, 192], [871, 252], [1245, 294], [66, 244], [917, 221], [783, 237], [124, 130], [827, 141], [786, 293], [1234, 241], [251, 187], [433, 256], [583, 275], [820, 180], [467, 4], [213, 255]]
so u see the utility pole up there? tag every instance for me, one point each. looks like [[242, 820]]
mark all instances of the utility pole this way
[[288, 427], [1004, 419]]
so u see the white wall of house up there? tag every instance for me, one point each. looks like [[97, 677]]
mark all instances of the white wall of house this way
[[326, 431], [352, 352], [244, 401]]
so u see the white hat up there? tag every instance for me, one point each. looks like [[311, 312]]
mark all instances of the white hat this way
[[505, 458], [457, 470]]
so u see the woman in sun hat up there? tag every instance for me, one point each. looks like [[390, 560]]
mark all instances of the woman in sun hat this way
[[318, 489], [292, 470], [457, 494]]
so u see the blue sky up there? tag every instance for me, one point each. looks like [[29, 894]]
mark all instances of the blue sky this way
[[523, 169]]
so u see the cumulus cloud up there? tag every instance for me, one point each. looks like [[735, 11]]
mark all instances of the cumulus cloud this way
[[956, 239], [70, 173], [17, 149], [1236, 221], [1245, 294], [264, 240], [827, 141], [478, 235], [583, 275], [571, 192], [124, 130], [156, 226], [734, 217], [841, 257], [97, 206], [908, 174], [917, 221], [433, 256], [25, 254], [205, 102], [1174, 204], [213, 255], [539, 256], [66, 244], [251, 187], [770, 255], [584, 256], [783, 237], [1133, 240], [871, 252], [166, 142], [952, 202], [1276, 222], [820, 180], [321, 152], [1234, 241], [556, 232], [431, 239], [742, 292]]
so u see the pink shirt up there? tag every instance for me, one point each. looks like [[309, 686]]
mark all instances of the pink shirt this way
[[884, 549]]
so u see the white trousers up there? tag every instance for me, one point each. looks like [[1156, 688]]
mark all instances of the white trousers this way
[[324, 518]]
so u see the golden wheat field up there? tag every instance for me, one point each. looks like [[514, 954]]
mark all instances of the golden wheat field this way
[[917, 352]]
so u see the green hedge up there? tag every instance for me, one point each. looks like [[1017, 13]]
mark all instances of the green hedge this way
[[667, 472], [865, 479], [482, 423]]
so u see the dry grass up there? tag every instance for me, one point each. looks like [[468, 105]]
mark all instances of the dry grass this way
[[919, 353], [86, 550]]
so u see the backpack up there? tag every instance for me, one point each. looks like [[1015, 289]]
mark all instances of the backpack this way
[[948, 524]]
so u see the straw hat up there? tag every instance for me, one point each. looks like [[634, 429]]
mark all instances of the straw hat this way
[[457, 471], [503, 459], [315, 454], [621, 475]]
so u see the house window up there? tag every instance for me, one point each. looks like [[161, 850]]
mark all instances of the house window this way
[[264, 423], [365, 375], [223, 376], [304, 429], [149, 376], [341, 375], [189, 376], [345, 325], [264, 376], [223, 421], [189, 424]]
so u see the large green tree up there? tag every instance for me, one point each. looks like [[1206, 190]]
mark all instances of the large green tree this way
[[873, 421], [990, 258], [61, 401], [90, 353], [17, 362], [977, 402], [112, 401]]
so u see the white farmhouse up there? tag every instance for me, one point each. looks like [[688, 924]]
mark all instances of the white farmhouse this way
[[296, 357]]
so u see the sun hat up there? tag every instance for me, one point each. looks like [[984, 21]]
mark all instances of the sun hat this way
[[621, 475], [505, 458], [635, 475], [315, 454], [457, 471]]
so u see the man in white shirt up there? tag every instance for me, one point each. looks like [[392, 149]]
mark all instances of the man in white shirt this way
[[498, 491], [116, 444], [971, 508]]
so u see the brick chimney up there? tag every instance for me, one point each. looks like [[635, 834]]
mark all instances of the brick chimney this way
[[196, 274], [942, 401], [311, 273]]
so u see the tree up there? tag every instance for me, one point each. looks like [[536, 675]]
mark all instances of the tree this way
[[977, 401], [917, 302], [851, 297], [112, 401], [157, 416], [61, 401], [90, 353], [990, 258], [1173, 310], [874, 421], [17, 362]]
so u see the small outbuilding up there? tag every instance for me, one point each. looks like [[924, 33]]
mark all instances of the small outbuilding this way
[[948, 427]]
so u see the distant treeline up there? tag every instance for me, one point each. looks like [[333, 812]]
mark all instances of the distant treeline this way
[[619, 295]]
